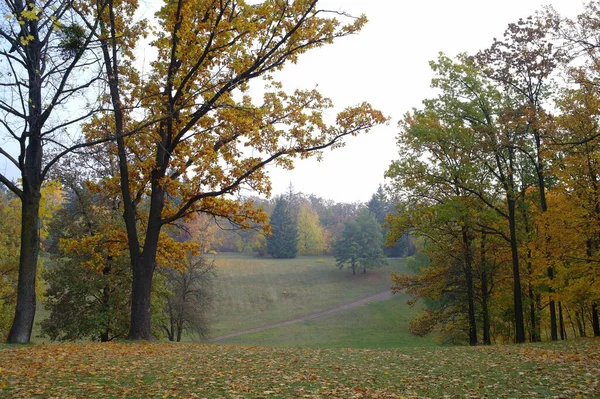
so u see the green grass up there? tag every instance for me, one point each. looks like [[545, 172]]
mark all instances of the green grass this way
[[152, 370], [374, 325], [252, 292]]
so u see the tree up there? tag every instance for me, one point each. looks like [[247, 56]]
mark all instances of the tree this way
[[47, 68], [190, 299], [361, 244], [310, 233], [523, 63], [185, 144], [283, 242], [88, 289], [9, 259]]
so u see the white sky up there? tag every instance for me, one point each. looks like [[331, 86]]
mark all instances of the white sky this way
[[387, 65]]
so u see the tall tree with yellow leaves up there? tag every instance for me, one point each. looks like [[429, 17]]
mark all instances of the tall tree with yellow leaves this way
[[199, 136]]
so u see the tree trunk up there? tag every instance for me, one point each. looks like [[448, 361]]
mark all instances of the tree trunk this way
[[517, 296], [595, 320], [20, 332], [468, 270], [552, 307], [140, 327], [31, 179], [561, 320], [485, 293], [535, 334], [143, 270], [579, 318]]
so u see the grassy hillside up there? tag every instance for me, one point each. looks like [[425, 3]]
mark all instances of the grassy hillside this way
[[252, 292], [153, 370], [373, 325]]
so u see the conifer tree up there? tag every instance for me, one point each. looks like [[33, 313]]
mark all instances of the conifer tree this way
[[283, 243]]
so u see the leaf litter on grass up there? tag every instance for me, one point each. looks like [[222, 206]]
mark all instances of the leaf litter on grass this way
[[159, 370]]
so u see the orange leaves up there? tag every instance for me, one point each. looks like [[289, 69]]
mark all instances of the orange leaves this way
[[200, 371]]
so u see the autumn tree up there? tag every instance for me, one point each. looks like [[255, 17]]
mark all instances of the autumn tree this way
[[283, 241], [523, 63], [204, 137], [361, 244], [48, 67], [88, 288], [310, 233]]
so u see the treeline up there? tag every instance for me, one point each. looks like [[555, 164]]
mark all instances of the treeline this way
[[305, 224], [499, 178]]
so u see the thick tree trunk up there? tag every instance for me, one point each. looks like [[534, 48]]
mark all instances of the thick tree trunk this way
[[143, 270], [20, 331], [140, 327]]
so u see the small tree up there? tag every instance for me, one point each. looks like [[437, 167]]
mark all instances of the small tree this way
[[361, 244], [310, 232], [191, 298], [283, 242]]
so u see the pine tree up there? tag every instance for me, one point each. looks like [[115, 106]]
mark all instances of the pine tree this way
[[283, 243]]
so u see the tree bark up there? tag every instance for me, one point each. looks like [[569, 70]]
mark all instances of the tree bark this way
[[20, 331], [595, 320], [31, 179], [468, 270], [485, 293], [535, 334], [563, 333], [517, 296], [140, 327]]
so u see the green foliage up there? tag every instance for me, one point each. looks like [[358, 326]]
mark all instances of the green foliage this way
[[283, 243], [73, 40], [85, 303], [361, 243]]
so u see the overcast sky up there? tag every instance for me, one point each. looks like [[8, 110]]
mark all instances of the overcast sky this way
[[387, 65]]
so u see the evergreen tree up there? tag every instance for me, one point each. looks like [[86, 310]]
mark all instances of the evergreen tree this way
[[283, 243], [361, 244]]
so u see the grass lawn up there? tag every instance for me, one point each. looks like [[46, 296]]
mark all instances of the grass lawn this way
[[252, 292], [158, 370], [374, 325]]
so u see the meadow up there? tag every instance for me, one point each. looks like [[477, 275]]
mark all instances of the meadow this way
[[252, 292]]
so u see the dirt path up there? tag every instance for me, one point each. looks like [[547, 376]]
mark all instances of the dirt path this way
[[373, 298]]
